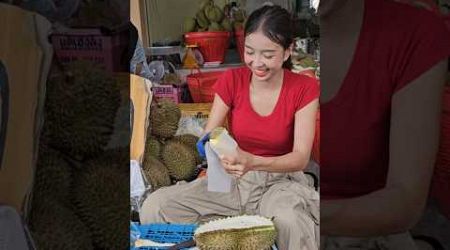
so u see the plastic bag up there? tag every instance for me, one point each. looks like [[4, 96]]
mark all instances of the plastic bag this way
[[137, 183], [191, 125]]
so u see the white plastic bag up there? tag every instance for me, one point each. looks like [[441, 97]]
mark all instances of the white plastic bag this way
[[137, 184]]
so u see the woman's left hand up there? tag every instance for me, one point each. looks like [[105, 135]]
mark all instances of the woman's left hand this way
[[239, 164]]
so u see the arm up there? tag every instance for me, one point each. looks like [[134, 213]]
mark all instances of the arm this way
[[217, 115], [414, 139], [296, 160]]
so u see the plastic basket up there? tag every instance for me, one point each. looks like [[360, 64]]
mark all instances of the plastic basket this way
[[166, 233], [201, 85], [212, 44]]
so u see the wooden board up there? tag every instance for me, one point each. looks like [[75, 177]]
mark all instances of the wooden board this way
[[141, 97]]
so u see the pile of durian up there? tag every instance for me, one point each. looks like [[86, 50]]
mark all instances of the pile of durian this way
[[79, 198], [211, 17], [168, 158]]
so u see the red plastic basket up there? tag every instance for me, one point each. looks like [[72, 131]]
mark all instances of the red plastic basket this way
[[240, 38], [201, 85], [212, 44]]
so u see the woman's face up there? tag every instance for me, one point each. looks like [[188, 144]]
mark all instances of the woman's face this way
[[264, 57]]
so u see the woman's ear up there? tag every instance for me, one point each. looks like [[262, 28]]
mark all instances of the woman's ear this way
[[288, 52]]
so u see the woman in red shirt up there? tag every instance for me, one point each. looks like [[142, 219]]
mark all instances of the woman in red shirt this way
[[272, 115], [383, 71]]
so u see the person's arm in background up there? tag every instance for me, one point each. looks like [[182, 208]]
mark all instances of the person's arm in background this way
[[414, 140], [305, 120]]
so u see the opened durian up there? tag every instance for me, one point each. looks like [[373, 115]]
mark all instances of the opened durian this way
[[239, 232], [101, 199], [155, 172], [164, 118], [179, 160], [55, 226], [215, 133], [80, 109]]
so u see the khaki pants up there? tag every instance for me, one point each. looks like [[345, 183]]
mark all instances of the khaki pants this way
[[288, 198]]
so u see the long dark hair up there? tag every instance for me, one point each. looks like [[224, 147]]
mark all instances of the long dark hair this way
[[276, 23]]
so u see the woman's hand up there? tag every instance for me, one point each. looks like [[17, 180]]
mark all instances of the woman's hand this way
[[239, 164]]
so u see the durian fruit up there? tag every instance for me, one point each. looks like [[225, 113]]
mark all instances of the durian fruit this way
[[189, 24], [190, 141], [226, 24], [249, 232], [53, 177], [179, 160], [101, 199], [173, 78], [153, 147], [155, 172], [187, 139], [80, 109], [213, 13], [55, 226], [215, 27], [238, 26], [164, 118], [202, 21], [239, 15], [205, 3], [113, 158]]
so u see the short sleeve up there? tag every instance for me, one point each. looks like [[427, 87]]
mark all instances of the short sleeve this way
[[225, 87], [426, 44], [310, 92]]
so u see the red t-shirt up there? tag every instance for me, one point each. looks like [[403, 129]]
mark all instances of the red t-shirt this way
[[397, 44], [271, 135]]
